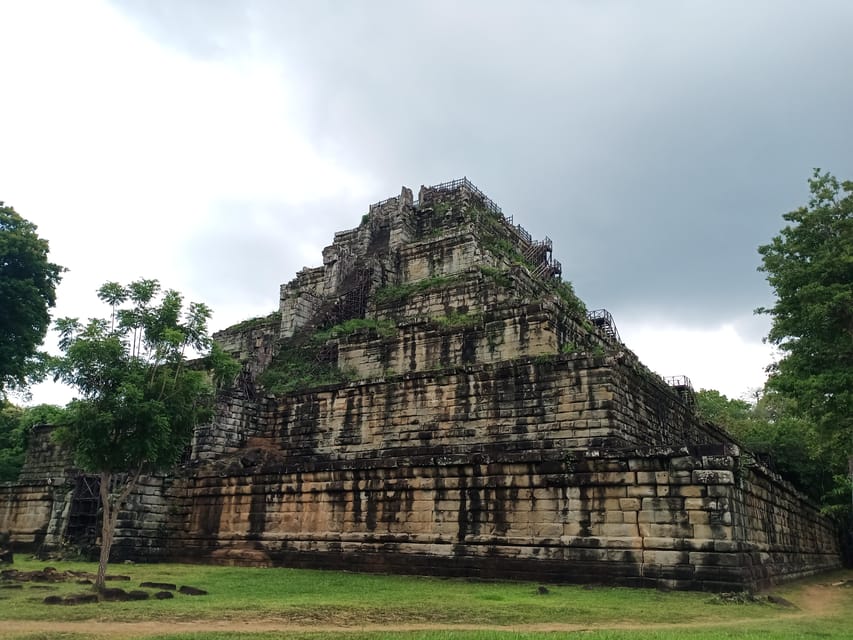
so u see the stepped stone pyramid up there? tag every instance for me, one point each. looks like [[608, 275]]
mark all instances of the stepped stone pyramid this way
[[435, 399]]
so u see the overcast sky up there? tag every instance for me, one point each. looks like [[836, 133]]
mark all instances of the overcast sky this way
[[218, 145]]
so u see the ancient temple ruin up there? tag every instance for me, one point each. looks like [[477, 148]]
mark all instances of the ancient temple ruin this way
[[435, 399]]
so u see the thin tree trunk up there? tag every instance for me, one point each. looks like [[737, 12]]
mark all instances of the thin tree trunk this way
[[111, 507], [107, 528]]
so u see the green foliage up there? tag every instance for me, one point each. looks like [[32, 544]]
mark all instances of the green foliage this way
[[398, 294], [139, 401], [569, 347], [382, 327], [299, 364], [28, 284], [297, 367], [458, 320], [771, 427], [493, 236], [500, 277], [809, 265], [566, 293], [253, 323]]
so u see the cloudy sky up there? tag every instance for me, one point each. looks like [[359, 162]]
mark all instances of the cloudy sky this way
[[218, 145]]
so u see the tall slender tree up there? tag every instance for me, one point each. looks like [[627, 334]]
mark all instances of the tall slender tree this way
[[139, 399]]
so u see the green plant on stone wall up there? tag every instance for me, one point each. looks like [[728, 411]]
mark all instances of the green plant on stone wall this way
[[458, 320], [297, 368], [253, 323], [399, 293], [382, 327], [569, 347], [499, 276], [566, 293]]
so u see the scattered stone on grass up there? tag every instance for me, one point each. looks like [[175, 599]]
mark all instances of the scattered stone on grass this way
[[165, 586], [116, 577], [11, 586], [192, 591], [542, 590], [164, 595], [112, 594], [137, 594], [52, 600], [80, 598]]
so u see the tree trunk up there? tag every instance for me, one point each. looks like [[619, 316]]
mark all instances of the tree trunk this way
[[107, 529], [111, 505]]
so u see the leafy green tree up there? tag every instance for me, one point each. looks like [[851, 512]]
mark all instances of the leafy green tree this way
[[28, 283], [15, 425], [810, 267], [770, 428], [139, 396]]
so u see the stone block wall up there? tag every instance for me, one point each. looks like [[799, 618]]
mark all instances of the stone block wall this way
[[786, 533], [235, 421], [35, 508], [452, 341], [253, 343], [564, 401], [664, 517]]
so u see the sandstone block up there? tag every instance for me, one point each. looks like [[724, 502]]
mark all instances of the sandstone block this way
[[702, 476]]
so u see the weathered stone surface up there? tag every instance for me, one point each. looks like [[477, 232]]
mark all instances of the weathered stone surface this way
[[487, 429]]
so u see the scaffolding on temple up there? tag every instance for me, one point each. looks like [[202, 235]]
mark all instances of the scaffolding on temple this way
[[603, 322], [684, 388]]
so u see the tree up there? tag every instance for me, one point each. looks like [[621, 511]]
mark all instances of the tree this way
[[27, 291], [769, 428], [810, 267], [140, 398]]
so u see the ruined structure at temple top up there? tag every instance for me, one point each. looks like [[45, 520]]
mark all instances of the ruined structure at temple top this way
[[434, 398]]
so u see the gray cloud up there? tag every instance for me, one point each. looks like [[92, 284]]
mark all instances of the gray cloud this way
[[657, 143], [237, 260]]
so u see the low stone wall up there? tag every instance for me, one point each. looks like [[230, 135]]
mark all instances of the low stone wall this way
[[25, 510], [644, 518], [786, 533], [36, 507]]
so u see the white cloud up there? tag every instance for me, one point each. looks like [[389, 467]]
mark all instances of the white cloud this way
[[120, 151], [717, 358]]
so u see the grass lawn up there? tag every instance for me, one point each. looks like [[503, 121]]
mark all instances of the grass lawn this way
[[262, 603]]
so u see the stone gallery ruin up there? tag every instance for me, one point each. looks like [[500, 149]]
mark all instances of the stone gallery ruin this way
[[434, 399]]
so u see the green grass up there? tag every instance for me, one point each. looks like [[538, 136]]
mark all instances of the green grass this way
[[324, 600], [392, 295], [252, 323], [382, 327], [457, 320]]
